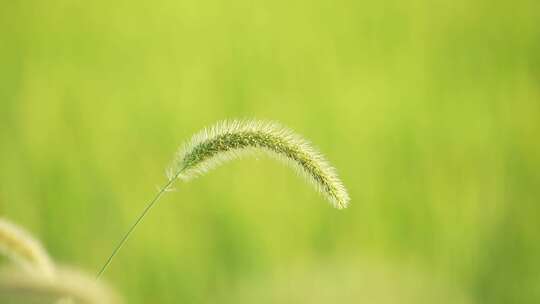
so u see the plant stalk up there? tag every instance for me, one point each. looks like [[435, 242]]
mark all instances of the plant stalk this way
[[136, 223]]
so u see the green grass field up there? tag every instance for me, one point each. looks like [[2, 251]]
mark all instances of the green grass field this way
[[430, 110]]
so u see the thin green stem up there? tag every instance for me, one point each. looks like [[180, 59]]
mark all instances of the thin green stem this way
[[136, 223]]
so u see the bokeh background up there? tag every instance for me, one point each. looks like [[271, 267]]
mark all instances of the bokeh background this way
[[430, 110]]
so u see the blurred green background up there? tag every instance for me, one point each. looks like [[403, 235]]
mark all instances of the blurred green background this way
[[430, 110]]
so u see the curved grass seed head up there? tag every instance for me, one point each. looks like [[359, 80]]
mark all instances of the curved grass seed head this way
[[68, 287], [22, 248], [229, 140]]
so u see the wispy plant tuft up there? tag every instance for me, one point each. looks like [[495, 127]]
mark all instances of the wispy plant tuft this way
[[22, 248], [42, 278], [229, 140], [69, 286]]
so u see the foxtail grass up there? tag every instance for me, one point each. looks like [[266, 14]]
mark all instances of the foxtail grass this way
[[68, 286], [24, 250], [233, 139]]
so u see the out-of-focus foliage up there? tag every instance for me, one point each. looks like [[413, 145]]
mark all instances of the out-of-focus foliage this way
[[430, 110]]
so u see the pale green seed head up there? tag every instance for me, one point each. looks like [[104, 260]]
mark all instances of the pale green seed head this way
[[25, 250], [68, 287], [229, 140]]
